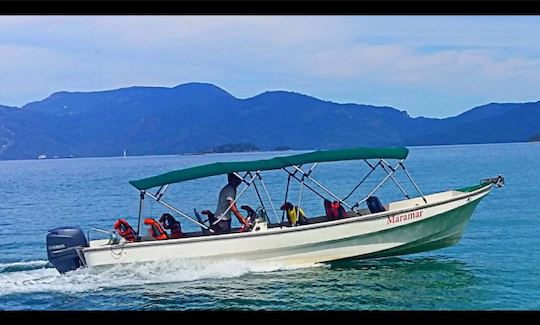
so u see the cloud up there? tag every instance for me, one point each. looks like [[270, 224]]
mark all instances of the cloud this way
[[341, 58], [401, 65]]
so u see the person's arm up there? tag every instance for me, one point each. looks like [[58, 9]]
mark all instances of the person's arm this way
[[237, 213]]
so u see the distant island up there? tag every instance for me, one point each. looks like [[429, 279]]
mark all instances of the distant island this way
[[535, 138], [232, 147], [201, 117], [282, 148], [240, 147]]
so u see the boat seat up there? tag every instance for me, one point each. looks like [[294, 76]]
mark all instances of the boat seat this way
[[201, 221], [375, 205]]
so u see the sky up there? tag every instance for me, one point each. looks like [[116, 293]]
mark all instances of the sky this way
[[434, 66]]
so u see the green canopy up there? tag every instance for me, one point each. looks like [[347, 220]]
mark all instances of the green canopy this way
[[220, 168]]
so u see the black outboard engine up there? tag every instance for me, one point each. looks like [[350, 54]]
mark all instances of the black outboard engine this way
[[61, 248]]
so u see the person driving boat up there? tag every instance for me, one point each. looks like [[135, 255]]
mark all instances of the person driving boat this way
[[226, 198]]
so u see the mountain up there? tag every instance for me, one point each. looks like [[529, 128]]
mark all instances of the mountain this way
[[486, 124], [196, 116]]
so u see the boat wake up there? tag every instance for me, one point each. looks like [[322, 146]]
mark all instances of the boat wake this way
[[38, 276], [24, 266]]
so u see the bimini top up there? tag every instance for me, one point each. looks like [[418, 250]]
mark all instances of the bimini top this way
[[220, 168]]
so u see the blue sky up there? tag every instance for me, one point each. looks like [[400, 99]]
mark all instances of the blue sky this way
[[433, 66]]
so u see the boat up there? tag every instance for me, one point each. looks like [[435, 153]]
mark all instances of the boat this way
[[42, 156], [365, 228]]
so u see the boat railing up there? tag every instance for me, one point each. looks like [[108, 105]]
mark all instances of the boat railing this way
[[111, 233], [497, 181]]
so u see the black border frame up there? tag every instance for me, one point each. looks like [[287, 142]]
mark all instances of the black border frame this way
[[265, 7], [280, 7]]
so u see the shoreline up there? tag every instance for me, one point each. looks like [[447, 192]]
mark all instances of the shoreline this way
[[255, 152]]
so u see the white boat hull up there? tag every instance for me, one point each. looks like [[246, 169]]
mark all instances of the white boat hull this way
[[409, 226]]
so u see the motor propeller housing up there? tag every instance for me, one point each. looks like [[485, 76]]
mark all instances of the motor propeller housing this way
[[62, 245]]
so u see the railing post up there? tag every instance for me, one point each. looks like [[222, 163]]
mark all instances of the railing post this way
[[412, 181], [141, 207]]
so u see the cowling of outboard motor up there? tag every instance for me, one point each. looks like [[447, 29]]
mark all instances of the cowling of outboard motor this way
[[61, 248]]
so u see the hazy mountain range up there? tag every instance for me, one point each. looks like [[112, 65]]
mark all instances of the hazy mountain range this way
[[196, 116]]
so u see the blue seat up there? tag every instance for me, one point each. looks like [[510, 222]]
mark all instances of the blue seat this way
[[375, 205]]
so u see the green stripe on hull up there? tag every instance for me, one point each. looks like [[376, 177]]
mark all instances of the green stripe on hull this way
[[469, 189], [449, 236]]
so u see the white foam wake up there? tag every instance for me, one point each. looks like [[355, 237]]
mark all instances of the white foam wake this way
[[23, 266], [87, 280]]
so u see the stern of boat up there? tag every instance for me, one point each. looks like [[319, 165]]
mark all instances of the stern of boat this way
[[64, 248]]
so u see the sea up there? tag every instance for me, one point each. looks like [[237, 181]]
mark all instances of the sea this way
[[495, 265]]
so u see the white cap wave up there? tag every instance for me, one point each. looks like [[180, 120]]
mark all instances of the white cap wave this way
[[88, 280]]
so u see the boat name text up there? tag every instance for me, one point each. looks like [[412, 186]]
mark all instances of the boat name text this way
[[404, 217]]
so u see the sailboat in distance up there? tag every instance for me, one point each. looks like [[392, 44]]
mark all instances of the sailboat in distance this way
[[125, 155]]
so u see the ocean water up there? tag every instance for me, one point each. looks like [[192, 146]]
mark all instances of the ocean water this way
[[496, 265]]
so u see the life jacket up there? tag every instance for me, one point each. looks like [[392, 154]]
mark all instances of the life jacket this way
[[169, 222], [292, 216], [334, 210], [155, 229], [125, 230]]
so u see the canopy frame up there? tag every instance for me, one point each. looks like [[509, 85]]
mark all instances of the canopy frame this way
[[220, 168], [305, 176], [237, 197]]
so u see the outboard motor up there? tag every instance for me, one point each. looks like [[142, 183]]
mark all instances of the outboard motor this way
[[61, 248]]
